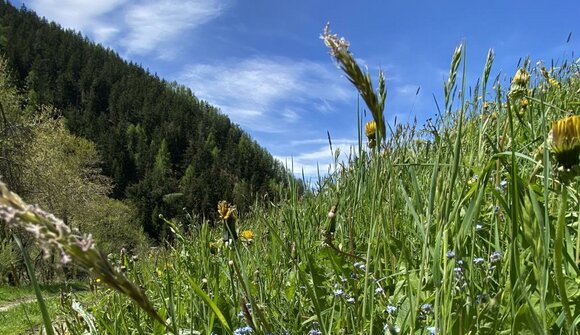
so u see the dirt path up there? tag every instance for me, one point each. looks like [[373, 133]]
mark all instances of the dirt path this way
[[5, 307]]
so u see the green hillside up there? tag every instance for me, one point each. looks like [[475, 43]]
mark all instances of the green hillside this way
[[163, 148]]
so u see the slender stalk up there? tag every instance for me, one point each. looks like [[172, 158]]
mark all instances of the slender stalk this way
[[41, 304], [558, 246]]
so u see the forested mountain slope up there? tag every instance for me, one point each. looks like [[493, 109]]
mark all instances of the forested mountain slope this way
[[164, 149]]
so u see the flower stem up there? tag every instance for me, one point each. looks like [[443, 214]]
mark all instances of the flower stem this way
[[558, 246]]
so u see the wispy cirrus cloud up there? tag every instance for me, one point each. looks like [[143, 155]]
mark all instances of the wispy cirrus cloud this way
[[268, 94], [153, 23], [133, 27], [74, 14]]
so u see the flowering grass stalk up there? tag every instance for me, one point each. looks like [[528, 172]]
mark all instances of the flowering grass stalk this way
[[52, 234]]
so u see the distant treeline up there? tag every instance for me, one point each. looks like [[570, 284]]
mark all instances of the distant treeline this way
[[164, 149]]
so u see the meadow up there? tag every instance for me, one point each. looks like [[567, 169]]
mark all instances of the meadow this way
[[467, 224]]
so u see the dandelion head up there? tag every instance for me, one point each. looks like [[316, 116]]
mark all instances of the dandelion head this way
[[225, 210], [247, 235], [566, 141], [371, 130], [521, 78]]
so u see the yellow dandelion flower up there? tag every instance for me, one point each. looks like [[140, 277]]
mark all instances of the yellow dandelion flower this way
[[225, 210], [98, 280], [520, 83], [371, 130], [247, 235], [525, 103], [521, 78], [566, 141], [553, 82]]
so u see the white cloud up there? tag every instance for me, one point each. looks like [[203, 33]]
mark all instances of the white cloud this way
[[74, 14], [267, 94], [133, 27], [316, 159], [153, 23]]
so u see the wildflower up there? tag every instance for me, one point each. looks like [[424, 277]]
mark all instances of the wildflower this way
[[426, 308], [379, 290], [227, 214], [520, 83], [243, 330], [350, 300], [371, 130], [478, 260], [391, 309], [478, 226], [98, 280], [338, 293], [495, 257], [247, 235], [360, 266], [450, 254], [314, 332], [522, 77], [525, 103], [502, 185], [432, 330], [553, 82], [566, 141]]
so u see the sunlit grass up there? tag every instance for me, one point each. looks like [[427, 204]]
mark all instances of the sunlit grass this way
[[465, 225]]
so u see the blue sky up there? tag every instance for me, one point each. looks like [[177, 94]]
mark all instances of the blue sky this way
[[262, 62]]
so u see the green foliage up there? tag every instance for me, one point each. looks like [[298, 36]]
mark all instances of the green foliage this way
[[458, 227]]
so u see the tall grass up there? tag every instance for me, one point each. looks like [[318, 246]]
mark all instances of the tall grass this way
[[461, 226]]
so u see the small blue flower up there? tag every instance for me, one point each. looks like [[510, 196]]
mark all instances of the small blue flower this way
[[350, 300], [478, 226], [495, 257], [391, 309], [360, 266], [314, 332], [243, 330], [426, 308], [432, 330], [379, 290], [478, 260], [450, 254], [338, 293]]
